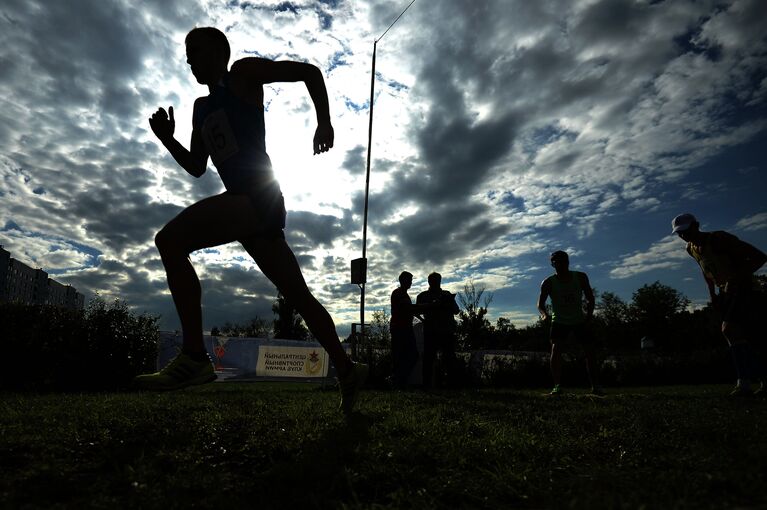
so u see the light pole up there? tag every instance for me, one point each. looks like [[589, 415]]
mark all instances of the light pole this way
[[359, 266]]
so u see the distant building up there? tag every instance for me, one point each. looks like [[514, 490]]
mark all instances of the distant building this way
[[57, 293], [74, 298], [23, 284], [5, 263]]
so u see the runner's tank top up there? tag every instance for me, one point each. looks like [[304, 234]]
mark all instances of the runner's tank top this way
[[234, 135], [566, 299]]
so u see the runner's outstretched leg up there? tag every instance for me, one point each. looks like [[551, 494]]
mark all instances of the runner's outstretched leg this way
[[277, 261], [279, 264]]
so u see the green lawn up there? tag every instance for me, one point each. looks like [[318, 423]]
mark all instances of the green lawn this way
[[270, 445]]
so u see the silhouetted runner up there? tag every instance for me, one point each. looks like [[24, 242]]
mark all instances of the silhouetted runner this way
[[567, 290], [729, 264], [228, 126]]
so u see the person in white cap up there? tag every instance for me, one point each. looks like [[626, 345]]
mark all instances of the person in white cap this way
[[729, 264]]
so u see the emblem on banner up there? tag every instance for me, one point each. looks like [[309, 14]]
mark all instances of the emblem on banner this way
[[313, 364], [219, 351]]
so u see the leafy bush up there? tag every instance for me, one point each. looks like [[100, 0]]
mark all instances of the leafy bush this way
[[515, 369], [101, 347], [379, 363]]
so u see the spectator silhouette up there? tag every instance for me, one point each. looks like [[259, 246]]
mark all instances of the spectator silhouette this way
[[439, 326], [567, 290], [729, 264], [403, 349], [228, 127]]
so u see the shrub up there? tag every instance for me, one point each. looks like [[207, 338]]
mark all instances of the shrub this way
[[101, 347], [379, 363], [515, 369], [526, 369]]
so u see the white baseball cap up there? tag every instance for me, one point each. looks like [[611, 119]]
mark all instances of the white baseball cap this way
[[682, 222]]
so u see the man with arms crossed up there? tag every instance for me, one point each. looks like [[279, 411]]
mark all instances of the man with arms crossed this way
[[439, 309]]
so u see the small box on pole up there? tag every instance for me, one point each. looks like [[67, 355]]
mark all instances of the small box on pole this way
[[359, 271]]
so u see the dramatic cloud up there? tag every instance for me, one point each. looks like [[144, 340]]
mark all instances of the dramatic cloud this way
[[754, 222], [666, 254], [503, 130]]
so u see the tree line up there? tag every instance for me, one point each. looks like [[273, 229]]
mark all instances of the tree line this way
[[656, 312], [286, 324]]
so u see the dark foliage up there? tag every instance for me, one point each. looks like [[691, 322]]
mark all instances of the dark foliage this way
[[474, 330], [288, 324], [101, 347], [253, 328]]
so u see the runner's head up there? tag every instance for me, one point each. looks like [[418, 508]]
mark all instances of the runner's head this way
[[435, 279], [405, 279], [685, 226], [207, 53], [560, 260]]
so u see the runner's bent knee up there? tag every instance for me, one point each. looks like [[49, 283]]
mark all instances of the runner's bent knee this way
[[167, 242]]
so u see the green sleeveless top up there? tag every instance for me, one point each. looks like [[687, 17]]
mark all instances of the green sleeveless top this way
[[566, 299]]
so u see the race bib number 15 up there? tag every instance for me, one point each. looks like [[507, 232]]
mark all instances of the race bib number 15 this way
[[218, 137]]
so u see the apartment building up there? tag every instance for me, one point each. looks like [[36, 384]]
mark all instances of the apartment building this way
[[23, 284]]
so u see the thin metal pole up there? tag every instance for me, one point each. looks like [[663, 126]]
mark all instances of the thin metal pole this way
[[367, 173], [367, 190]]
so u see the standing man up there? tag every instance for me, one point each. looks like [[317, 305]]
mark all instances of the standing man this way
[[567, 290], [403, 349], [439, 308], [228, 127], [728, 263]]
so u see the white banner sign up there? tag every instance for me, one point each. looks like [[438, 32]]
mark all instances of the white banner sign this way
[[278, 361]]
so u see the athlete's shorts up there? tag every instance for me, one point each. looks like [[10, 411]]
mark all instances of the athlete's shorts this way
[[738, 307], [561, 333], [270, 206]]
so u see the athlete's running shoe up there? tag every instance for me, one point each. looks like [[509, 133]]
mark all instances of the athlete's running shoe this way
[[183, 371], [350, 386], [740, 391], [598, 391], [760, 391], [556, 390]]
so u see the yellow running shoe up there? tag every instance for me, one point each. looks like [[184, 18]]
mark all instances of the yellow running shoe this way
[[183, 371], [350, 386]]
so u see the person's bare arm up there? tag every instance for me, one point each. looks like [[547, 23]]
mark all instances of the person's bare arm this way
[[715, 299], [752, 258], [709, 281], [746, 259], [542, 297], [589, 294], [258, 71], [453, 305], [163, 126]]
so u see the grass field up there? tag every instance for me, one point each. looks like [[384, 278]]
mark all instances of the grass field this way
[[276, 445]]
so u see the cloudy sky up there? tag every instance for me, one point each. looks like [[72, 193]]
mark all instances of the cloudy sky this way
[[503, 131]]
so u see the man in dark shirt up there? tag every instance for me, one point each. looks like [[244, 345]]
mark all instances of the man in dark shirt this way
[[439, 327], [403, 348]]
